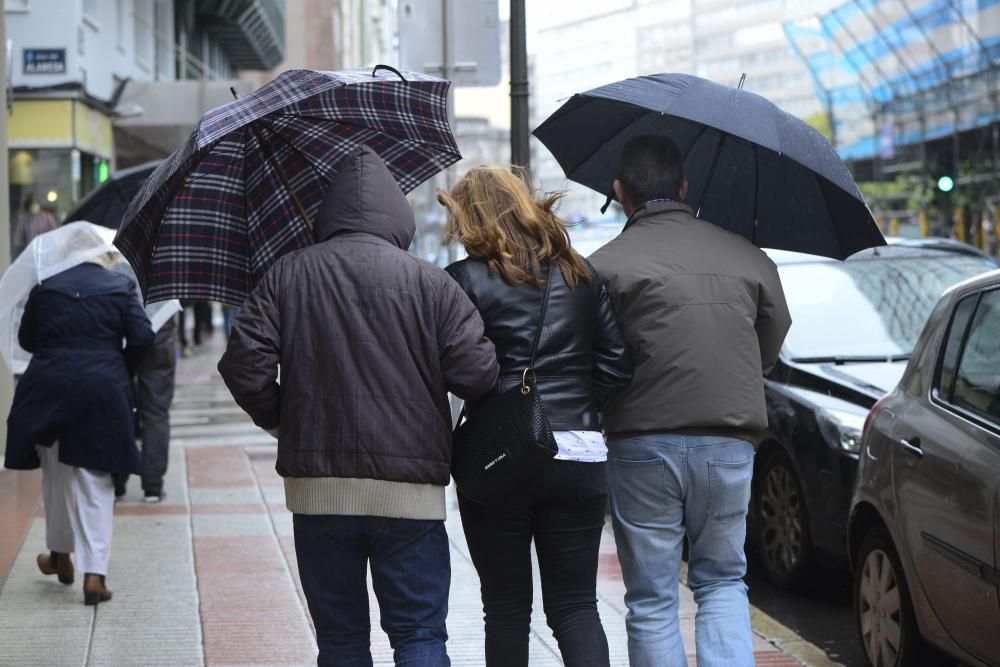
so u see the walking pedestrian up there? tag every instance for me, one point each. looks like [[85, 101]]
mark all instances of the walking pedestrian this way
[[154, 389], [154, 394], [31, 221], [72, 411], [182, 333], [704, 316], [370, 340], [516, 244]]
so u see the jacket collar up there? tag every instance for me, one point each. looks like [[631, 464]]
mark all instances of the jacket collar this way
[[653, 208]]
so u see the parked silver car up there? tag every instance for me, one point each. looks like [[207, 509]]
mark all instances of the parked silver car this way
[[924, 527]]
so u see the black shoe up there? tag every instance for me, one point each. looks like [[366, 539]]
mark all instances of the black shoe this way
[[155, 497]]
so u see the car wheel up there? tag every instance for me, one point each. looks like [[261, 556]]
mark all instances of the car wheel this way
[[886, 622], [779, 522]]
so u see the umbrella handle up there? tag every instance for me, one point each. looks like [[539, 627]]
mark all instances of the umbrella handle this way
[[391, 69]]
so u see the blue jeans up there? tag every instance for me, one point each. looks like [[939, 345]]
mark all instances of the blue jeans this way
[[662, 486], [411, 575]]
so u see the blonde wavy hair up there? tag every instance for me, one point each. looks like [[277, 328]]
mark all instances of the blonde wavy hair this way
[[493, 213]]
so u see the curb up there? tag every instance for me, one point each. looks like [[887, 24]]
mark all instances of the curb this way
[[781, 636], [784, 638]]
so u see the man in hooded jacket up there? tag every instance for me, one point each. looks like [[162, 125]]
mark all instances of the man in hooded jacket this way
[[370, 340]]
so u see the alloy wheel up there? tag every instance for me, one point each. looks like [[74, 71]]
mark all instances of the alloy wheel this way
[[781, 520], [880, 609]]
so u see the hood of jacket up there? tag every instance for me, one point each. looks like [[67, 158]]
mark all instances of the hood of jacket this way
[[364, 197]]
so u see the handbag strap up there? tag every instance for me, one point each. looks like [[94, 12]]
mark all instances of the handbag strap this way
[[541, 322]]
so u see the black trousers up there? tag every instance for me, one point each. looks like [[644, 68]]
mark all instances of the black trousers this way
[[154, 394], [202, 321], [562, 508]]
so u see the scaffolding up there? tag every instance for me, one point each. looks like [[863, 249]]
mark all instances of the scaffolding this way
[[910, 86], [894, 74]]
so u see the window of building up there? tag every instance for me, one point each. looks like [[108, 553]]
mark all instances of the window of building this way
[[90, 10], [143, 40], [123, 13]]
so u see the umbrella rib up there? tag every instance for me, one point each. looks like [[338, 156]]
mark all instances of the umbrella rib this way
[[711, 172], [597, 150], [294, 148], [756, 192]]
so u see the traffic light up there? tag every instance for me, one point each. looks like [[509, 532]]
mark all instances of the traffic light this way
[[945, 171], [944, 177]]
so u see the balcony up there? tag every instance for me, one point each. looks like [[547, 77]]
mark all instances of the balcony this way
[[252, 32]]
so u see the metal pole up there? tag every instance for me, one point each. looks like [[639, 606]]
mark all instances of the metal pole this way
[[520, 154], [6, 379]]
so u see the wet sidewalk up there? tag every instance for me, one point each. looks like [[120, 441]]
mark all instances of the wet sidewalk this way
[[208, 577]]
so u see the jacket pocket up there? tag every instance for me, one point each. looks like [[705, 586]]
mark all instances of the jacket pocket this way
[[640, 489], [729, 487]]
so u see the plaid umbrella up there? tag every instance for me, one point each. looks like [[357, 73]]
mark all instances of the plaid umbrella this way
[[239, 194]]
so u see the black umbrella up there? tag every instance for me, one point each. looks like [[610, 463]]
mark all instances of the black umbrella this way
[[108, 202], [751, 167]]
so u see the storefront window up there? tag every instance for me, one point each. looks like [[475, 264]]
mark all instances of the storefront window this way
[[41, 184]]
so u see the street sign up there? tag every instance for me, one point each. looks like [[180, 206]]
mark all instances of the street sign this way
[[45, 61], [455, 39]]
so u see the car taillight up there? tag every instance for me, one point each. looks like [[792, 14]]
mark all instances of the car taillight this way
[[875, 408]]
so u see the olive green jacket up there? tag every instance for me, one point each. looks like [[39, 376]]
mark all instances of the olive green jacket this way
[[704, 317]]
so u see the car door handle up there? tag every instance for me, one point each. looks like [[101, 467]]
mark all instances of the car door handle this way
[[912, 446]]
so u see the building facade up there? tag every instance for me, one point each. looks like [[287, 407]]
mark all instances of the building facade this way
[[100, 84]]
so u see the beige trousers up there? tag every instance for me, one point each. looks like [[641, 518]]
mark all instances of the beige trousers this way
[[79, 511]]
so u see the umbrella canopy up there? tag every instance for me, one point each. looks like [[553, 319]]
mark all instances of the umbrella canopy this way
[[214, 217], [751, 168], [106, 205], [47, 255]]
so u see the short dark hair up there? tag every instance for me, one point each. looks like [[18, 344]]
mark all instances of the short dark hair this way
[[651, 169]]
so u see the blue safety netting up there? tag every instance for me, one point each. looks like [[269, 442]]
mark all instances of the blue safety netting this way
[[924, 70]]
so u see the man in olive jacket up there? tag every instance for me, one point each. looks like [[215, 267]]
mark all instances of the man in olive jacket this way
[[369, 340], [704, 317]]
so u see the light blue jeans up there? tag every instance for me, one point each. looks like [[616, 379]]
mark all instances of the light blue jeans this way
[[663, 485]]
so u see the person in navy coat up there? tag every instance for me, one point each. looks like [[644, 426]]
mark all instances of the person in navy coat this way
[[73, 410]]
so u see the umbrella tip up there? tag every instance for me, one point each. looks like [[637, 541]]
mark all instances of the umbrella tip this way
[[743, 78], [236, 95]]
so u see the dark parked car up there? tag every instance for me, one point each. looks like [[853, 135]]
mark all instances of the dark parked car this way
[[924, 528], [854, 326]]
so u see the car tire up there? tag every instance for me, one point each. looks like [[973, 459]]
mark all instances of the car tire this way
[[883, 611], [779, 522]]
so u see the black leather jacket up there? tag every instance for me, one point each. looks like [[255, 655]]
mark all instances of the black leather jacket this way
[[581, 355]]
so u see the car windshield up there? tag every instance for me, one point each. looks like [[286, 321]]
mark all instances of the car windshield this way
[[867, 309]]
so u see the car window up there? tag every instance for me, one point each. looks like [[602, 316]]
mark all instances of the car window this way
[[945, 380], [977, 379], [869, 307]]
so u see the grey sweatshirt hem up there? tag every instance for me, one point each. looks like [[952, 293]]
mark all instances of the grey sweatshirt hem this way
[[348, 496]]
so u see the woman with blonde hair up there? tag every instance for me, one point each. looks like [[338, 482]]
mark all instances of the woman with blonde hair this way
[[516, 244]]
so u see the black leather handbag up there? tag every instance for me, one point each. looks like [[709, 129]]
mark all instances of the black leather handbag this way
[[507, 439]]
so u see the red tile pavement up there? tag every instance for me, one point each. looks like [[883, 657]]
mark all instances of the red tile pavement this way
[[20, 494], [218, 466], [249, 612]]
